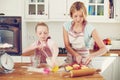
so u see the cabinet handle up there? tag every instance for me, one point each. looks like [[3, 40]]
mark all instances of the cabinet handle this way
[[64, 14], [46, 14]]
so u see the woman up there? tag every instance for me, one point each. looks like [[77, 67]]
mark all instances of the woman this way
[[77, 35]]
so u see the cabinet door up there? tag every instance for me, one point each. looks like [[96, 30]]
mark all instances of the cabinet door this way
[[110, 71], [98, 9], [11, 7], [36, 9], [116, 69], [57, 9], [117, 9]]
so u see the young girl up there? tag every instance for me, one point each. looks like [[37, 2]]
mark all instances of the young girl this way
[[44, 47], [77, 35]]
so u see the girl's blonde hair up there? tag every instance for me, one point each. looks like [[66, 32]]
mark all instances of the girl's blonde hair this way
[[76, 6], [41, 24]]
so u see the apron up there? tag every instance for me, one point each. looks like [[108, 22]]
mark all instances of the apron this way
[[42, 54], [77, 43]]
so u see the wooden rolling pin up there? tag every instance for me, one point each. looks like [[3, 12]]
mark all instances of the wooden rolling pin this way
[[81, 72]]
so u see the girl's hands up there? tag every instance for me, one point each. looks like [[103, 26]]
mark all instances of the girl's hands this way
[[40, 47]]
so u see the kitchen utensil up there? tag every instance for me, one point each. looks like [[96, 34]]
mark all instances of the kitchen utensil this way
[[81, 72], [48, 59], [35, 61], [6, 62]]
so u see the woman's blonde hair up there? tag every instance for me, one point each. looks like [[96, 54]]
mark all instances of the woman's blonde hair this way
[[76, 6], [41, 24]]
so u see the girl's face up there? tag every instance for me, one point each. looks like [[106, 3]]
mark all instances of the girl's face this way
[[78, 17], [42, 33]]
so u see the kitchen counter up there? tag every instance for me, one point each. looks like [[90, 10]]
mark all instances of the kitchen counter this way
[[113, 52], [91, 51], [21, 73], [98, 62]]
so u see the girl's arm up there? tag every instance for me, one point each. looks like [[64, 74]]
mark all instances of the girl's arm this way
[[29, 50]]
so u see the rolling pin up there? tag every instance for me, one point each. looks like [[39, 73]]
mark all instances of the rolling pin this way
[[81, 72]]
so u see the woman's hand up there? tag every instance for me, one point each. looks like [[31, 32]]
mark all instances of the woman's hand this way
[[88, 59], [78, 59]]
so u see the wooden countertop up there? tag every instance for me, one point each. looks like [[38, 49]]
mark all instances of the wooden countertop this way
[[21, 73]]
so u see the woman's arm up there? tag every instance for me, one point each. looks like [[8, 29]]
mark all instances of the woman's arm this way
[[102, 48]]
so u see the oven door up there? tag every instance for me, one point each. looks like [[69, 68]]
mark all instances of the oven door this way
[[10, 35]]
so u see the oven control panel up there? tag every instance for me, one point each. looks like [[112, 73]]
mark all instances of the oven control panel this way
[[10, 20]]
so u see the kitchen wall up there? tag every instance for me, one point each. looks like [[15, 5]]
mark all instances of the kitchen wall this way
[[111, 30]]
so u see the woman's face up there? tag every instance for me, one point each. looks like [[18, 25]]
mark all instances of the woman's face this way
[[78, 17], [42, 33]]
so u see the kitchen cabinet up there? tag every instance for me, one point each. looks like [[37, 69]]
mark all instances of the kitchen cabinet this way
[[118, 68], [112, 69], [115, 72], [11, 7], [59, 10], [36, 9], [108, 70], [117, 9], [98, 10], [103, 11]]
